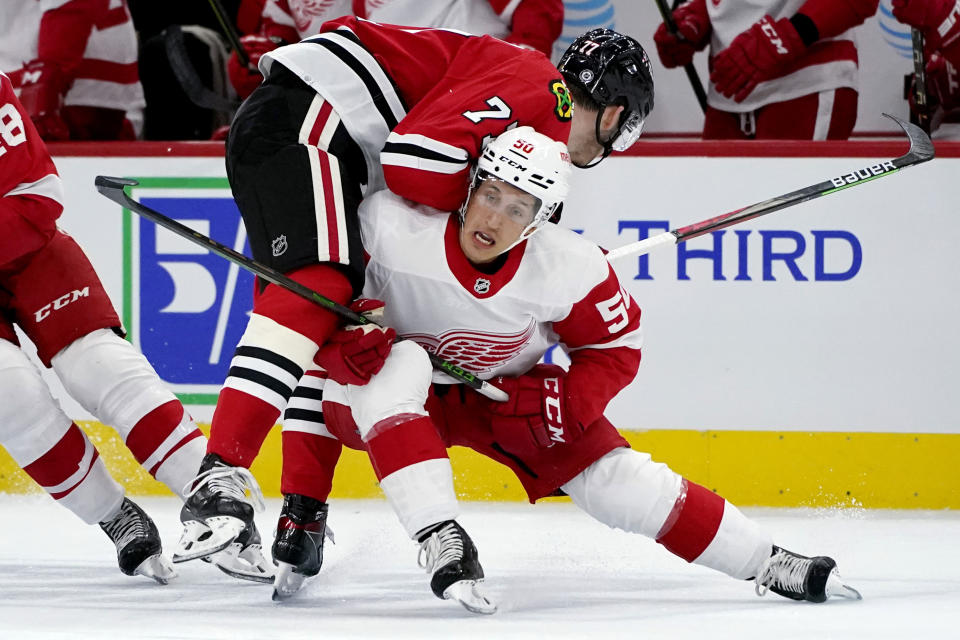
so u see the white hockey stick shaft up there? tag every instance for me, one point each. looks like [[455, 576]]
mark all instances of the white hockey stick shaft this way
[[921, 150]]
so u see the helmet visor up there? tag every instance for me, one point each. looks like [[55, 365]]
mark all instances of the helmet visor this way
[[498, 196], [629, 132]]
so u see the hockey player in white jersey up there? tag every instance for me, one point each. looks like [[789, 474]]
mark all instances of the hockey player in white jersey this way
[[491, 289]]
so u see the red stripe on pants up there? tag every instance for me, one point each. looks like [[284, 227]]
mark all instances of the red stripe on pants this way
[[693, 523], [62, 461], [407, 443], [329, 205], [322, 116]]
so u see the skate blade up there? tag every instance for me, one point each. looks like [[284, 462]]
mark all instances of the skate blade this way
[[287, 582], [203, 538], [233, 563], [837, 587], [156, 568], [469, 593]]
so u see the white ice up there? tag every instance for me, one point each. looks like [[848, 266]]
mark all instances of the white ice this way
[[554, 572]]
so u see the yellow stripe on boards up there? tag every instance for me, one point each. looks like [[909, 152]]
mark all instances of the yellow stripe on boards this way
[[749, 468]]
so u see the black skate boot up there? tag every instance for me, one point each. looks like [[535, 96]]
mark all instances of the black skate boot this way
[[801, 578], [139, 551], [298, 548], [448, 552], [217, 509]]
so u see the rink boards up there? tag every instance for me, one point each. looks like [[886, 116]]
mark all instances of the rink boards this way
[[806, 358]]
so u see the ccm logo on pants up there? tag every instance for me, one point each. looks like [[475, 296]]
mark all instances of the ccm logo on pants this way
[[60, 303]]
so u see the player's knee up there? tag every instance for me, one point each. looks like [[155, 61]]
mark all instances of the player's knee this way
[[400, 387], [110, 379], [626, 490], [31, 410]]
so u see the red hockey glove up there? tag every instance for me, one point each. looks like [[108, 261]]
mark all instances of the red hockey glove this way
[[693, 29], [762, 52], [938, 19], [357, 352], [536, 415], [247, 78], [943, 81], [41, 94]]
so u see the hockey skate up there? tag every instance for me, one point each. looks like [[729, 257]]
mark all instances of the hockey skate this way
[[139, 551], [298, 548], [448, 552], [801, 578], [218, 508], [243, 558]]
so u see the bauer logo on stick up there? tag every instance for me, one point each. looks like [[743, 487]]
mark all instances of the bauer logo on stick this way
[[864, 174]]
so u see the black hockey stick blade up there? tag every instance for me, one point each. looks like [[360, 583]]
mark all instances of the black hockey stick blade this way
[[921, 150], [114, 189]]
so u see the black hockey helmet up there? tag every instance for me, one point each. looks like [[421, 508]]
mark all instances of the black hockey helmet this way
[[613, 69]]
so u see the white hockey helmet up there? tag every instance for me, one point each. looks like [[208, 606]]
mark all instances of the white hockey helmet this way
[[532, 162]]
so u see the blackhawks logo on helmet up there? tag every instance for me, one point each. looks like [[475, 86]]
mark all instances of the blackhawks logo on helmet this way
[[564, 108]]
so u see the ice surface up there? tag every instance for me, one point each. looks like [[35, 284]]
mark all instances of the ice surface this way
[[554, 572]]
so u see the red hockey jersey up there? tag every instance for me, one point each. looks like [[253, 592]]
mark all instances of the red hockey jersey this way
[[31, 196], [421, 103]]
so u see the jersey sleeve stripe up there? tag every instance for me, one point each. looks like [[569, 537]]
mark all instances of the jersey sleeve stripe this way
[[455, 154], [632, 340], [49, 186], [358, 59], [425, 164]]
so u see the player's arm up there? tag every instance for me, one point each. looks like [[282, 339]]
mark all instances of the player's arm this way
[[771, 48], [31, 191], [603, 337], [427, 157], [533, 23]]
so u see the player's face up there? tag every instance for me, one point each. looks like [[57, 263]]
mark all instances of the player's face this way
[[497, 214], [583, 144]]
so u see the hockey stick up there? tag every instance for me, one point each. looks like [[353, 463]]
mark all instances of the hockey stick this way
[[230, 31], [113, 188], [691, 71], [920, 81], [921, 150], [186, 74]]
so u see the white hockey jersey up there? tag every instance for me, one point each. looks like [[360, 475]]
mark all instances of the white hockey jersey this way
[[555, 287], [830, 63]]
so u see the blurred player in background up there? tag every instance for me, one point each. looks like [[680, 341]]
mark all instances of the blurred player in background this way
[[778, 68], [492, 289], [939, 21], [49, 289], [534, 24], [74, 63]]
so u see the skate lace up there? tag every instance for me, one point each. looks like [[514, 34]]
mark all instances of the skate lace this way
[[441, 548], [783, 571], [126, 527], [230, 481]]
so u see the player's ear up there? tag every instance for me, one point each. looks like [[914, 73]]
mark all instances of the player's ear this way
[[611, 116]]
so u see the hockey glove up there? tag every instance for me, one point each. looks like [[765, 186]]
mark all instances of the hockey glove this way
[[942, 80], [41, 93], [355, 353], [938, 19], [247, 78], [762, 52], [693, 34], [536, 416]]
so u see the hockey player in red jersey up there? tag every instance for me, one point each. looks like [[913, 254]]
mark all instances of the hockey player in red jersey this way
[[79, 76], [491, 290], [779, 68], [343, 115], [49, 289], [534, 24], [939, 21]]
